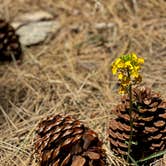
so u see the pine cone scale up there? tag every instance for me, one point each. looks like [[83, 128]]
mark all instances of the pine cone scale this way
[[149, 126], [10, 46], [63, 140], [78, 160]]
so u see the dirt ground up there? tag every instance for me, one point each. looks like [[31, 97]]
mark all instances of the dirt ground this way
[[71, 73]]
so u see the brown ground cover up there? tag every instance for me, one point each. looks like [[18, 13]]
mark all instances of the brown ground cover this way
[[71, 73]]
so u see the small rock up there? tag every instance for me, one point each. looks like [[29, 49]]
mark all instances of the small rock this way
[[31, 17], [17, 24], [34, 16], [36, 32]]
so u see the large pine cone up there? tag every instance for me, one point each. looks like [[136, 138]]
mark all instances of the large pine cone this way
[[10, 47], [149, 127], [64, 141]]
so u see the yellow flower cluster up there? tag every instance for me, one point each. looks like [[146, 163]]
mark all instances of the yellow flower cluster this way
[[127, 67]]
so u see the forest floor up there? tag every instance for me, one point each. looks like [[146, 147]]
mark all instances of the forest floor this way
[[71, 73]]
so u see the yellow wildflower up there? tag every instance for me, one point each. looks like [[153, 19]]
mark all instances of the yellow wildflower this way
[[134, 56], [128, 64], [134, 74], [120, 76], [114, 70], [122, 90], [117, 61], [127, 68], [140, 60]]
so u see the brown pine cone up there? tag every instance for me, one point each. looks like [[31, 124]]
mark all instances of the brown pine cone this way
[[149, 127], [64, 141], [10, 47]]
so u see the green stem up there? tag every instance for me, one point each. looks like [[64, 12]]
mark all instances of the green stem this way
[[131, 122]]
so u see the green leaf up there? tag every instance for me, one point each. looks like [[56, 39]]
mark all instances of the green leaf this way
[[132, 142], [152, 156]]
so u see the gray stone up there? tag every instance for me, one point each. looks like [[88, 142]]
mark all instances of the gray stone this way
[[36, 32], [34, 16]]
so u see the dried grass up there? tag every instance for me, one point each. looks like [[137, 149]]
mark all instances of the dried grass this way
[[71, 73]]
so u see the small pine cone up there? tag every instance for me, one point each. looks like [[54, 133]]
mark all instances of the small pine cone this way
[[64, 141], [10, 47], [149, 124]]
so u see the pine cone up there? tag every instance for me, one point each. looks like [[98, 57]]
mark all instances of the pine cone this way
[[149, 126], [64, 141], [9, 42]]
